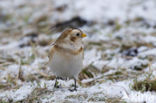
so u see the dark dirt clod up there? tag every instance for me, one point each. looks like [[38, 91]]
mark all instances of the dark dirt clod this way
[[75, 22], [130, 52]]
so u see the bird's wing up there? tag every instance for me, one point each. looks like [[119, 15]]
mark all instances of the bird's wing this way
[[51, 52]]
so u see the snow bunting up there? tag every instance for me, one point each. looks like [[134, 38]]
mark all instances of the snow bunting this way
[[66, 55]]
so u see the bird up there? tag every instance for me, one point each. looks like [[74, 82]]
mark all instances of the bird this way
[[66, 55]]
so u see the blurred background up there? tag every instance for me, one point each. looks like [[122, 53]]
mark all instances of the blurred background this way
[[120, 53]]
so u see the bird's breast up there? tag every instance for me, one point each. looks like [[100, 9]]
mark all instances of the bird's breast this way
[[67, 65]]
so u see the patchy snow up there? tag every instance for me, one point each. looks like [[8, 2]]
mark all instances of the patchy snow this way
[[9, 46], [91, 56], [105, 43], [110, 9], [139, 97], [150, 52], [19, 94], [150, 39]]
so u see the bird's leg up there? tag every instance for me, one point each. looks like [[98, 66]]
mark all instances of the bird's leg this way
[[56, 83], [75, 87]]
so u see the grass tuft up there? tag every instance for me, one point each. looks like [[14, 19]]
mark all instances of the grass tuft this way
[[144, 85]]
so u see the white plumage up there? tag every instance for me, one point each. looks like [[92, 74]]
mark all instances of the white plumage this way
[[66, 54], [66, 65]]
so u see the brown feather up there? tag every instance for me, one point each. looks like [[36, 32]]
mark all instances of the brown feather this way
[[51, 53], [69, 51], [64, 35], [58, 48], [73, 39]]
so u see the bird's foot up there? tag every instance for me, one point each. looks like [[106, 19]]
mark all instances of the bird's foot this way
[[73, 89], [56, 85]]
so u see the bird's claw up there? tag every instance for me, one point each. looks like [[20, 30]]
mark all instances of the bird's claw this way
[[57, 86], [73, 89]]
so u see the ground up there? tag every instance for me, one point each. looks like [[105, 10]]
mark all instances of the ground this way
[[119, 58]]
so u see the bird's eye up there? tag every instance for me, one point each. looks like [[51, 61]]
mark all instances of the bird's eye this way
[[78, 34]]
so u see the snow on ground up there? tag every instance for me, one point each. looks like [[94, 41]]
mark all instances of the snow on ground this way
[[119, 48]]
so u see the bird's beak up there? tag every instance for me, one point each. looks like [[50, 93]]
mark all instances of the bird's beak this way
[[83, 35]]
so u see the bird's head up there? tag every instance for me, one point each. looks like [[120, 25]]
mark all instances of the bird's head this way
[[71, 35]]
